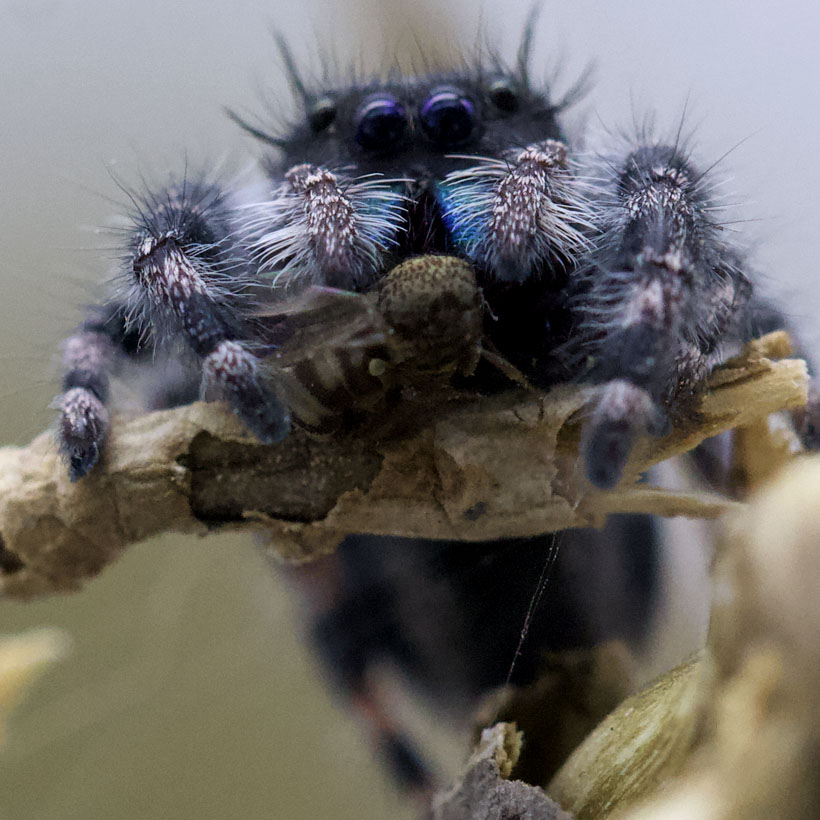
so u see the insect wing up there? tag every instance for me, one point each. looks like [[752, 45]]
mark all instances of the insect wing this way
[[334, 348], [321, 317]]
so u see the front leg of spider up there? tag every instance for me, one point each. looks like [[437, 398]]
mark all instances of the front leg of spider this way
[[89, 357], [185, 281], [659, 294], [519, 214]]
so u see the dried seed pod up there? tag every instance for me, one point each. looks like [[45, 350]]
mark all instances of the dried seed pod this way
[[751, 705], [642, 743]]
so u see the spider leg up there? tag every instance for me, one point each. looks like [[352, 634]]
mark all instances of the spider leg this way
[[188, 278], [654, 302], [90, 356]]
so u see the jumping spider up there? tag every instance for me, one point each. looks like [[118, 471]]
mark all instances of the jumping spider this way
[[611, 270], [614, 272]]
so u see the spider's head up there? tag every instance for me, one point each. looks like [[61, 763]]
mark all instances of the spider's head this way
[[414, 127], [411, 126], [380, 164]]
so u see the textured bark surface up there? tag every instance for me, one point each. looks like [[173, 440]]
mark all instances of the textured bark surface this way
[[487, 468]]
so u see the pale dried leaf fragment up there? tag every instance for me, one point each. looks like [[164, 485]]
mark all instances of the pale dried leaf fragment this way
[[484, 792], [22, 659]]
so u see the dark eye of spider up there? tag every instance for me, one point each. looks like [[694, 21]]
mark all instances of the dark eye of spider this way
[[504, 94], [447, 117], [380, 123], [322, 114]]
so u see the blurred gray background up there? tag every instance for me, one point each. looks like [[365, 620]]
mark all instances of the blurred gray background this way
[[187, 693]]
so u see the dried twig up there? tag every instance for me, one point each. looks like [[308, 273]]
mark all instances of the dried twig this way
[[505, 466]]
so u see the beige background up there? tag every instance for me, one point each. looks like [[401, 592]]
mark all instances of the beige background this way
[[187, 694]]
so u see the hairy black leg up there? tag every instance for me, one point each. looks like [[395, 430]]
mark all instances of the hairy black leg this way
[[188, 278], [657, 298], [90, 355], [325, 228], [355, 628]]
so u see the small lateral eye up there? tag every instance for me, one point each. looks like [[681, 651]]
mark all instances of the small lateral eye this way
[[321, 115], [380, 121], [447, 117], [504, 94]]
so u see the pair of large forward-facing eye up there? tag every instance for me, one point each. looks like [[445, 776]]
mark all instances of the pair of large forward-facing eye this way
[[447, 118]]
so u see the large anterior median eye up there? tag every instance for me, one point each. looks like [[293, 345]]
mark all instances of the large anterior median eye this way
[[447, 117], [380, 123]]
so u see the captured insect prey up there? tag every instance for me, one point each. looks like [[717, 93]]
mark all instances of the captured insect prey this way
[[415, 242]]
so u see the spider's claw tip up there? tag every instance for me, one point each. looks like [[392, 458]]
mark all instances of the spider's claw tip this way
[[81, 431], [80, 463], [606, 452], [278, 430]]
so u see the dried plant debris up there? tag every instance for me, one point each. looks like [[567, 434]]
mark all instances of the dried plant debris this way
[[22, 658], [575, 690], [762, 747], [491, 467], [484, 792], [734, 734], [640, 745]]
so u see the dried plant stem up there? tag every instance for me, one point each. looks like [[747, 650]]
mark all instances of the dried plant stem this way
[[505, 466]]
